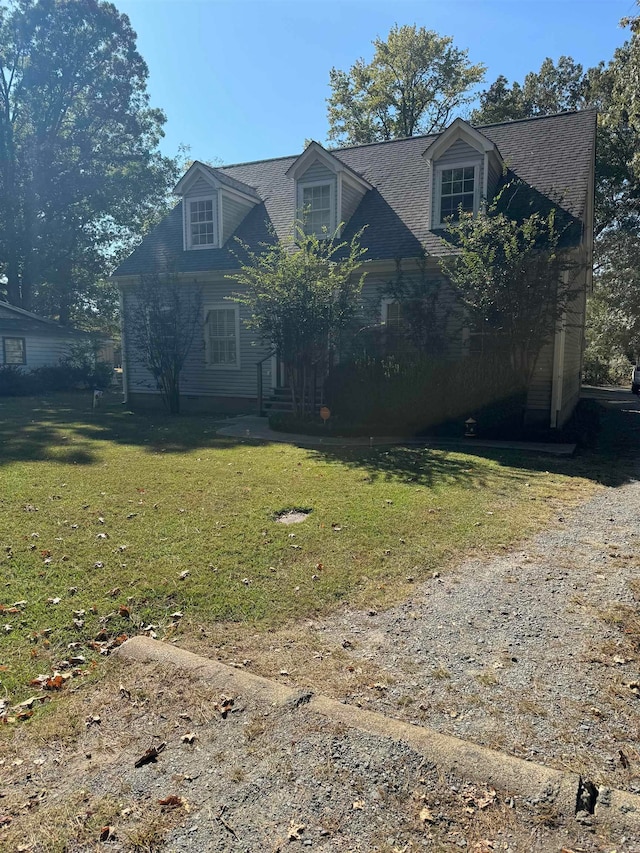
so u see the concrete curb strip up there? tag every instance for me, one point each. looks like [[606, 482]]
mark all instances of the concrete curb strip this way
[[543, 785]]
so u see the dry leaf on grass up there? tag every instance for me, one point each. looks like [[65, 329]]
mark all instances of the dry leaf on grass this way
[[107, 833]]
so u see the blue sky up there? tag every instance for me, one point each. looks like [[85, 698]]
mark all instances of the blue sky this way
[[247, 79]]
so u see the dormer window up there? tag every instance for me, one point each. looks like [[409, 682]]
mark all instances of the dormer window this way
[[213, 206], [327, 191], [201, 228], [465, 166], [316, 204]]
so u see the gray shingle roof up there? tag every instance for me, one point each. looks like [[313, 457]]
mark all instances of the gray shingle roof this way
[[553, 154]]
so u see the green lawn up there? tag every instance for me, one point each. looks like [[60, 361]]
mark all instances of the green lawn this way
[[104, 513]]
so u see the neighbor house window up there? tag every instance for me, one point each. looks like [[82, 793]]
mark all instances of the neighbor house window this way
[[14, 350], [222, 337], [316, 203], [457, 189], [202, 223]]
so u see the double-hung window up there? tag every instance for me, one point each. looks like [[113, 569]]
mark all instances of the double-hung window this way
[[222, 336], [316, 203], [201, 226], [457, 190], [14, 350]]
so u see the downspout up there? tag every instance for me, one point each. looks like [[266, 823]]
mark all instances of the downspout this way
[[123, 346]]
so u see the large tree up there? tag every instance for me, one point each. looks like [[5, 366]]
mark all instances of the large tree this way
[[415, 82], [512, 277], [80, 173], [301, 294], [555, 88]]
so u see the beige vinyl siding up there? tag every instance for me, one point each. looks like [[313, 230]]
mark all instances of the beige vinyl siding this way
[[233, 212], [199, 188], [458, 154], [376, 288], [494, 178], [539, 397], [351, 198], [573, 351], [198, 378]]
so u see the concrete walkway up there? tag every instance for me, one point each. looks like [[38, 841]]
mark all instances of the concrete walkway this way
[[253, 427]]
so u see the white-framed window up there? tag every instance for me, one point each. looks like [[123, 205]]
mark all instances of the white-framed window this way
[[201, 224], [222, 336], [456, 186], [316, 204], [14, 350], [396, 327]]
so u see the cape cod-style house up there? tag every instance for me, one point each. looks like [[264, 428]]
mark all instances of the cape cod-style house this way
[[402, 191]]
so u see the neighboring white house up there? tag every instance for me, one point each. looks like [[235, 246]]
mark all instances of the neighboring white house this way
[[401, 192], [29, 341]]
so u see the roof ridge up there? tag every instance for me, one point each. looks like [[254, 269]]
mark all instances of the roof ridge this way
[[536, 118], [408, 138]]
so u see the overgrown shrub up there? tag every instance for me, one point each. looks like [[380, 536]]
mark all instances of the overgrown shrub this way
[[77, 370], [84, 368], [427, 395], [16, 382]]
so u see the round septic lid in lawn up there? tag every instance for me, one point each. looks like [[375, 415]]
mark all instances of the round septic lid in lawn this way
[[292, 516]]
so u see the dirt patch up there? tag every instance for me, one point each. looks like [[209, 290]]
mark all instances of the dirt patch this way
[[292, 516]]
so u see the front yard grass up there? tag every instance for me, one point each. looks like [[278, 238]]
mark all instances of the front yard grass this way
[[114, 523]]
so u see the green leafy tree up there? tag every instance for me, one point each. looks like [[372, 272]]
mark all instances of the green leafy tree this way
[[301, 294], [80, 174], [414, 84], [167, 319], [555, 88], [509, 276]]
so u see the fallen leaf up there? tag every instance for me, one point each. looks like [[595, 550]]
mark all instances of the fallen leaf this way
[[295, 830], [486, 800], [426, 815], [358, 805], [107, 833], [172, 802], [226, 704], [150, 755]]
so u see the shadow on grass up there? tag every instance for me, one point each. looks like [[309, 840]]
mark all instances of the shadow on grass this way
[[607, 428], [64, 429]]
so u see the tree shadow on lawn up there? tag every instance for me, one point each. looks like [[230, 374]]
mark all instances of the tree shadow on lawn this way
[[607, 454], [63, 428]]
